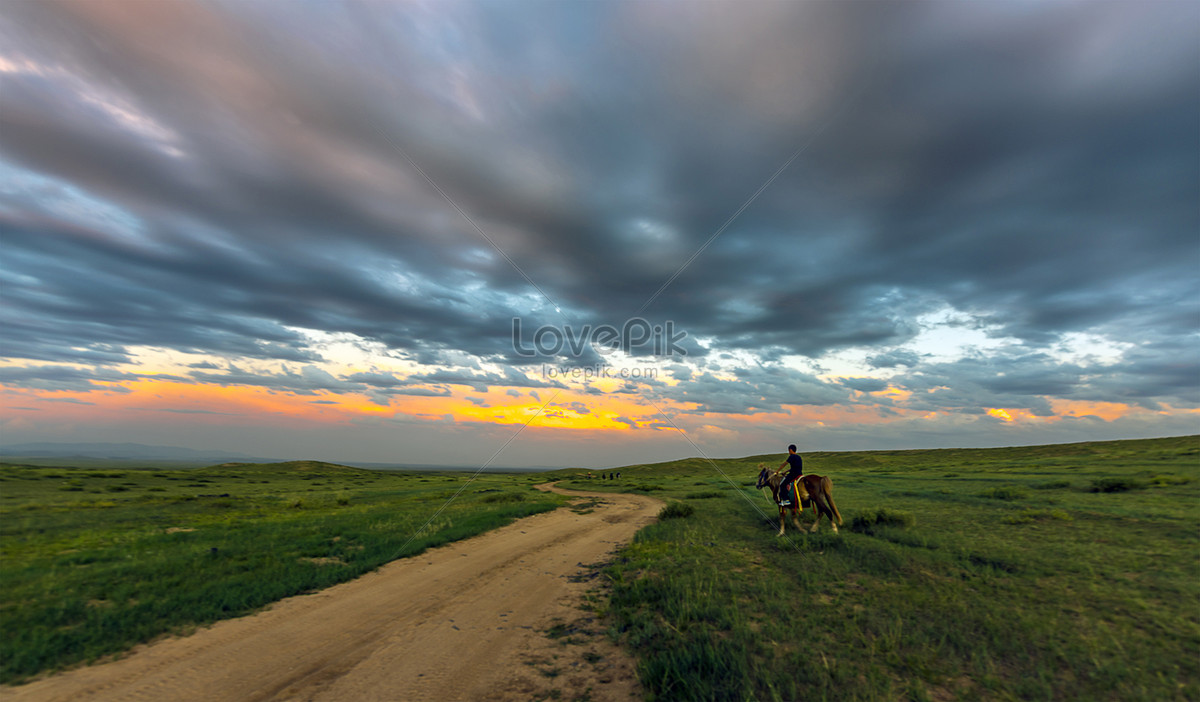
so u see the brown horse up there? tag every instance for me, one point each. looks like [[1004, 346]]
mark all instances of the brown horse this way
[[814, 491]]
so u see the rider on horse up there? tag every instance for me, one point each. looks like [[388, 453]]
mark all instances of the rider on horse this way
[[795, 468]]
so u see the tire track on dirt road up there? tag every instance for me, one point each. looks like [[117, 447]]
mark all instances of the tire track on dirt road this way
[[464, 621]]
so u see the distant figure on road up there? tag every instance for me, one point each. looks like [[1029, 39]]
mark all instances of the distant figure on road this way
[[795, 468]]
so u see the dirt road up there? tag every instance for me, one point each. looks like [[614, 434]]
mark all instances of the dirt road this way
[[467, 621]]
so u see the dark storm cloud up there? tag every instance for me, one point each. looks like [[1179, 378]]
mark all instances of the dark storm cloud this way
[[753, 390], [378, 380], [481, 381], [864, 384], [893, 359], [225, 178], [308, 381], [416, 392], [576, 407], [1146, 377], [64, 378]]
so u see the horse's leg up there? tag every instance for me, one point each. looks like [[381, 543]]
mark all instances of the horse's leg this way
[[796, 518], [780, 522], [835, 515]]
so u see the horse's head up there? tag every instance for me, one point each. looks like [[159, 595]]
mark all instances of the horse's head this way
[[763, 474]]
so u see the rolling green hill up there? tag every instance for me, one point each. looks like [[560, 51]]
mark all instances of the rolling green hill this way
[[314, 468], [93, 562], [1050, 572]]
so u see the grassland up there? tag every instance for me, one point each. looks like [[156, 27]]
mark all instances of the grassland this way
[[1060, 572], [95, 561], [1055, 572]]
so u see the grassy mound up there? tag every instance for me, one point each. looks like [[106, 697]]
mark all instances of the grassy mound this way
[[964, 574]]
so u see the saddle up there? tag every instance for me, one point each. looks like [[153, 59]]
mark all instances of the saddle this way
[[799, 492]]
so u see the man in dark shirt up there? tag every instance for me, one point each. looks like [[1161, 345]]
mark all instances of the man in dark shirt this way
[[795, 470]]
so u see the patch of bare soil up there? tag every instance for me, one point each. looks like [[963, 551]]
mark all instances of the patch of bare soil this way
[[495, 617]]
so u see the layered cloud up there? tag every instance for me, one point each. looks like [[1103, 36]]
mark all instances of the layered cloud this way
[[889, 213]]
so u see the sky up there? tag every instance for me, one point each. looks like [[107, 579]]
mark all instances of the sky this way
[[596, 234]]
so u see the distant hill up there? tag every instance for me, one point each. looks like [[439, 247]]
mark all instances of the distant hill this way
[[1166, 448], [120, 451], [314, 467], [451, 468], [102, 454]]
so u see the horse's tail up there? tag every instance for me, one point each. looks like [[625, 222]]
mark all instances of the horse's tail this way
[[827, 488]]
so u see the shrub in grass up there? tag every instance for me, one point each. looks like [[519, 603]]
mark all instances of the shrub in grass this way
[[1029, 516], [991, 562], [706, 495], [1052, 485], [1116, 485], [1004, 493], [676, 510], [867, 522], [504, 497], [1165, 480]]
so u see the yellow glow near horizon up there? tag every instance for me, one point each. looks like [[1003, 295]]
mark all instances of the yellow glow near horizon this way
[[1000, 414], [1107, 411], [213, 403], [893, 392], [572, 408]]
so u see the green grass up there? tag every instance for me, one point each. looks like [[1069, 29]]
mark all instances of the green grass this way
[[1057, 572], [95, 561], [1001, 574]]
